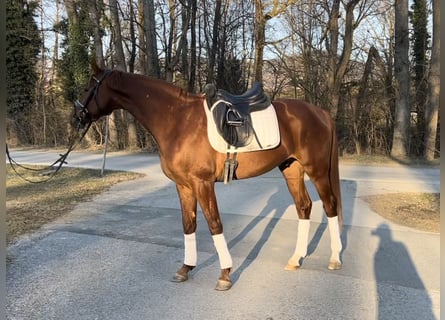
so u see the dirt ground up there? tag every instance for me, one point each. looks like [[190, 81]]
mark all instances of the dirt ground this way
[[31, 205], [415, 210]]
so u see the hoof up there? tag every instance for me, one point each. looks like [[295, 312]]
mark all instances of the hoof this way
[[334, 265], [223, 285], [290, 267], [179, 278]]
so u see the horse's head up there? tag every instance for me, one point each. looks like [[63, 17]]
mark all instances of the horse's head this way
[[91, 106]]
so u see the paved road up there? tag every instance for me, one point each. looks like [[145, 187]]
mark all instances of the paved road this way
[[112, 258]]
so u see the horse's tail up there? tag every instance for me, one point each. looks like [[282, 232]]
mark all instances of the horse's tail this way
[[334, 175]]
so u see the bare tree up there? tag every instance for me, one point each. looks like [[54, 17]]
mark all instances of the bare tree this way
[[171, 59], [142, 62], [260, 39], [214, 42], [118, 52], [338, 64], [151, 46], [192, 77], [432, 105], [401, 73], [264, 11], [96, 8]]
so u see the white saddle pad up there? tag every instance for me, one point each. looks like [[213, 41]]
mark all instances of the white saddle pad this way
[[264, 123]]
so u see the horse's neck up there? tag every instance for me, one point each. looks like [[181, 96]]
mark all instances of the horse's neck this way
[[144, 98], [158, 106]]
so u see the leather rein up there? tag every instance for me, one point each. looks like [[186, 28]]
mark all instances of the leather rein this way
[[51, 170]]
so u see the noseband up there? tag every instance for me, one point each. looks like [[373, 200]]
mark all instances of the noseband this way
[[83, 108]]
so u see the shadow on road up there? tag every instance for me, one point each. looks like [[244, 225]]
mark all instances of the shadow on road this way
[[274, 211], [253, 254], [393, 267]]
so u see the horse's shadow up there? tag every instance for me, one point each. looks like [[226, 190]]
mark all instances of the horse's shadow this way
[[273, 213], [277, 213], [253, 253]]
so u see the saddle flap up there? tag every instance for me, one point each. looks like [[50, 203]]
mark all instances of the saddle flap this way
[[265, 129], [231, 125]]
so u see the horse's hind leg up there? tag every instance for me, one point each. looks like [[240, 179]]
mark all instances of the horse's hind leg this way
[[294, 174], [330, 205]]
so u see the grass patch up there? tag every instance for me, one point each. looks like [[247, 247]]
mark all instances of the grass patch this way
[[416, 210], [386, 160], [31, 205]]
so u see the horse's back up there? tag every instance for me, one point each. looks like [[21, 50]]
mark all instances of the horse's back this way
[[303, 111], [307, 131]]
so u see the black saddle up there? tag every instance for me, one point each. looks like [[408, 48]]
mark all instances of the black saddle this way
[[232, 112]]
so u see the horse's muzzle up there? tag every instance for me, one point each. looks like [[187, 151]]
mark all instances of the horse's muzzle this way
[[81, 117]]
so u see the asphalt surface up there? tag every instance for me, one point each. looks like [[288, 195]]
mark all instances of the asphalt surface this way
[[113, 257]]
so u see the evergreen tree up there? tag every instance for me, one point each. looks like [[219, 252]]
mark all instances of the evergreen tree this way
[[230, 76], [22, 49], [73, 67]]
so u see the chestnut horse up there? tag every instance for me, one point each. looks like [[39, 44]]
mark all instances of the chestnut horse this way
[[178, 123]]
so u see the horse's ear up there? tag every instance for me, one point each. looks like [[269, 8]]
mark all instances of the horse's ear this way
[[95, 67]]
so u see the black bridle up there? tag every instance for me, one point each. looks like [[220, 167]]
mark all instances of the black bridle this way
[[51, 170], [83, 113]]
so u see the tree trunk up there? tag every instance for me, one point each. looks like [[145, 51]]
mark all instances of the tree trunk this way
[[142, 42], [183, 44], [169, 56], [361, 108], [41, 94], [116, 118], [214, 46], [260, 41], [332, 49], [432, 106], [132, 136], [153, 68], [95, 15], [118, 56], [401, 74], [338, 66], [192, 77], [132, 30]]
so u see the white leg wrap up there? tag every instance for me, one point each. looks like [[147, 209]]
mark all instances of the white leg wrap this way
[[302, 242], [334, 232], [225, 260], [190, 252]]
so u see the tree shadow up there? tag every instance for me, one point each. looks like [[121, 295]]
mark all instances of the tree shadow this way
[[394, 268]]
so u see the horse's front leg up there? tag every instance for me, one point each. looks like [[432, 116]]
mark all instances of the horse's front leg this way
[[188, 202], [205, 191]]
